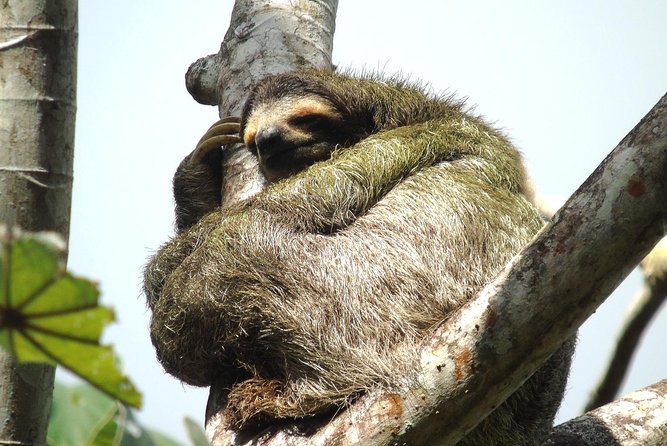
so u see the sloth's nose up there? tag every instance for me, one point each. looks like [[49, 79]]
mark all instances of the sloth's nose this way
[[268, 136]]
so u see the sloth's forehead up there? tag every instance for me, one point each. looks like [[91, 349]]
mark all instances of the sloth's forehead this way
[[289, 83], [289, 107]]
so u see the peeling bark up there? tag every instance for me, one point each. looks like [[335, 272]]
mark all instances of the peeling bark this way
[[38, 43]]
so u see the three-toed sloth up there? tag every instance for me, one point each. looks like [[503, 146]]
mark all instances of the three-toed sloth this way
[[387, 209]]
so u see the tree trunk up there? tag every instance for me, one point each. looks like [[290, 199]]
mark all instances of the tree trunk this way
[[484, 352], [37, 111], [264, 37]]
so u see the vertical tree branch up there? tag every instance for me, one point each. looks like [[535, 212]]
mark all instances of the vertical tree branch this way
[[38, 41], [264, 37]]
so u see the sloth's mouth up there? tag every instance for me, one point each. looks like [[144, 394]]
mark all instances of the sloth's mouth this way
[[282, 162], [266, 151]]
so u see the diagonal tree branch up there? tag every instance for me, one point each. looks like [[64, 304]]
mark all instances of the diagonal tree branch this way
[[486, 350]]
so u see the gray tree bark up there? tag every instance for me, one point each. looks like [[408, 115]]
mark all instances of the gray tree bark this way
[[264, 37], [486, 350], [38, 41]]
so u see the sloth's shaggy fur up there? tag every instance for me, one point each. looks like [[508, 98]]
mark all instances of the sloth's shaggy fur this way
[[325, 284]]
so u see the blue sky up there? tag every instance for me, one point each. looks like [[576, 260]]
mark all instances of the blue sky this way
[[566, 80]]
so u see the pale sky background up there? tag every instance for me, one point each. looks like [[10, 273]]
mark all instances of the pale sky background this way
[[566, 79]]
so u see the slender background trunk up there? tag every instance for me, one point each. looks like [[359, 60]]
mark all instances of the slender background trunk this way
[[38, 41]]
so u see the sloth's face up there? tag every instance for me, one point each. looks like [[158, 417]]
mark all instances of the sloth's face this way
[[292, 133]]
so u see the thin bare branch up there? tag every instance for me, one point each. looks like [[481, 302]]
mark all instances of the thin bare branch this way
[[644, 306]]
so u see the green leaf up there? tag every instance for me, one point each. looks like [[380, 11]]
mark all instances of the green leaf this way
[[195, 433], [48, 315], [154, 438], [138, 435], [111, 432], [83, 416]]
